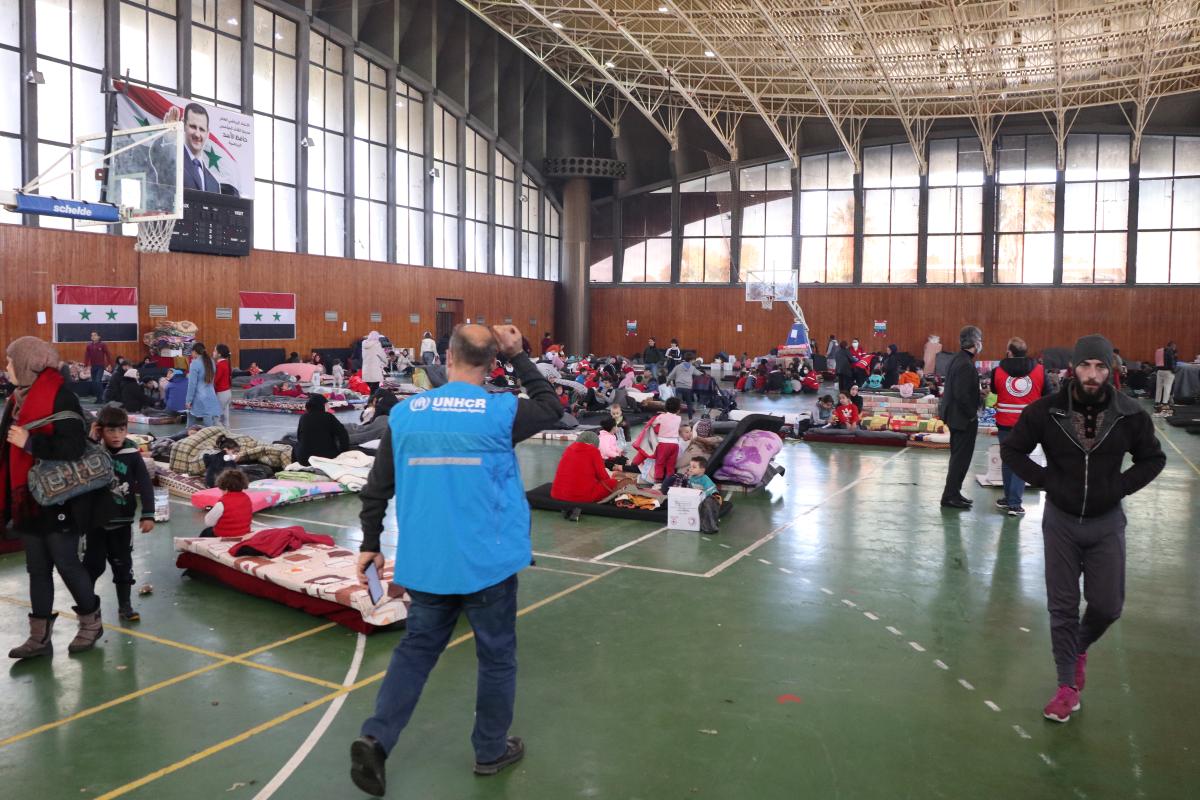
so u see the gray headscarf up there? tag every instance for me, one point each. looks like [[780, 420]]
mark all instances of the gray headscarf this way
[[588, 437]]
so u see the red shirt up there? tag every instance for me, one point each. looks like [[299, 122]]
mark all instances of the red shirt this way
[[236, 515], [581, 476], [847, 415], [97, 355], [223, 379]]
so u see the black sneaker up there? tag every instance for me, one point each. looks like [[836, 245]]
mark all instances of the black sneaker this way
[[128, 614], [954, 502], [514, 753], [1016, 511], [1002, 504], [367, 766]]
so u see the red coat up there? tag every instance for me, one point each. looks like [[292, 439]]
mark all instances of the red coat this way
[[581, 476], [223, 379], [274, 542], [847, 415]]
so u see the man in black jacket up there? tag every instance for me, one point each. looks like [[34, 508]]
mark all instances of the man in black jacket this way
[[1085, 430], [651, 357], [959, 409]]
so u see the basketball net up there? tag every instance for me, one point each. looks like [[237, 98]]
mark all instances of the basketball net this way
[[154, 236], [767, 302]]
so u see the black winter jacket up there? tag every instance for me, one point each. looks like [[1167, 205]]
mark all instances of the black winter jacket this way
[[959, 407], [1079, 482]]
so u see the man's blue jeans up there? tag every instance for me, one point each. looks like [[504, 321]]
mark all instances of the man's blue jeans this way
[[97, 383], [1014, 485], [492, 613]]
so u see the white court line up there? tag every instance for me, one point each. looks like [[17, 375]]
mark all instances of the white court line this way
[[827, 591], [966, 684], [736, 557], [1021, 732], [916, 646], [1049, 761], [870, 616], [323, 725], [849, 603], [638, 540], [894, 631], [785, 569], [1025, 630], [764, 561], [991, 705], [661, 570], [941, 664]]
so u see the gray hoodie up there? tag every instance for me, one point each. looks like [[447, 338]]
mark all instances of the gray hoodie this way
[[681, 376]]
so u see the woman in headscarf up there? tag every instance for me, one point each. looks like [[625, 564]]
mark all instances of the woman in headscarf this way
[[374, 418], [373, 361], [50, 533], [202, 404]]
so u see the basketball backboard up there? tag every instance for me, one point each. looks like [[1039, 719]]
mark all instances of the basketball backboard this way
[[142, 176], [765, 285]]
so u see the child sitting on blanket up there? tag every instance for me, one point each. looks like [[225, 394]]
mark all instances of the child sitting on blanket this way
[[710, 506], [846, 414], [875, 381], [610, 448], [230, 517], [621, 426], [825, 410]]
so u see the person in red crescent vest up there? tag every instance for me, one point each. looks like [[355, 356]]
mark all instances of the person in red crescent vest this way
[[862, 367], [1017, 382]]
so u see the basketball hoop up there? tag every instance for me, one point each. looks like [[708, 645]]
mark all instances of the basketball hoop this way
[[154, 236], [767, 302]]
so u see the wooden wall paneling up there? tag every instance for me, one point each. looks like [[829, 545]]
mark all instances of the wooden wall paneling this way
[[1137, 319], [193, 286]]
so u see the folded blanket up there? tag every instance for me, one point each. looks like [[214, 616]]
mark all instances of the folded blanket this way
[[187, 456], [350, 468]]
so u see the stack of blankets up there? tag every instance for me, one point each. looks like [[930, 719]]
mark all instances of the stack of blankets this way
[[171, 338], [912, 415]]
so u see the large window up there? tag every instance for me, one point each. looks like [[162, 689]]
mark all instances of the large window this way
[[646, 237], [216, 51], [891, 208], [10, 102], [410, 175], [70, 56], [827, 219], [530, 203], [705, 210], [326, 157], [552, 237], [954, 247], [600, 256], [506, 217], [766, 203], [370, 160], [1025, 196], [476, 205], [445, 189], [1095, 209], [275, 137], [1168, 249], [148, 42]]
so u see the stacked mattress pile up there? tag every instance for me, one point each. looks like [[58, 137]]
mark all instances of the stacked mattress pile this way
[[171, 338]]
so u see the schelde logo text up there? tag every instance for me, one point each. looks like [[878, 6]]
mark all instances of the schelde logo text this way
[[75, 211]]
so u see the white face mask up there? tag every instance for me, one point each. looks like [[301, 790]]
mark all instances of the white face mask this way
[[854, 343]]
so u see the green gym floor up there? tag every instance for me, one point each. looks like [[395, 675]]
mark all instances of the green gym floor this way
[[842, 637]]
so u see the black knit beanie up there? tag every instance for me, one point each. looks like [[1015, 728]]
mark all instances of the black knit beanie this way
[[1090, 347]]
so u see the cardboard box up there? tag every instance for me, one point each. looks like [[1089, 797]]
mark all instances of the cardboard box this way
[[683, 509]]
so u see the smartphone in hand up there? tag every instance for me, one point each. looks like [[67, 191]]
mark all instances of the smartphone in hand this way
[[374, 584]]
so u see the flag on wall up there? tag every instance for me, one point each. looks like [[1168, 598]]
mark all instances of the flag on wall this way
[[111, 311], [266, 315]]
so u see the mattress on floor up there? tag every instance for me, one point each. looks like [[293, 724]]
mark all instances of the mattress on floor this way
[[317, 578], [849, 436], [285, 405], [159, 418], [178, 484], [272, 492], [540, 498]]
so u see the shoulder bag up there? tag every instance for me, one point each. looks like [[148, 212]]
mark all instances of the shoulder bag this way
[[54, 482]]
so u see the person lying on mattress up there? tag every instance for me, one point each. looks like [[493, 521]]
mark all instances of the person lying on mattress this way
[[581, 476], [225, 457], [231, 515], [374, 418]]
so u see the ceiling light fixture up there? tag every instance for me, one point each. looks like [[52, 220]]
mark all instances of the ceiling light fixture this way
[[609, 64], [663, 10], [557, 24], [709, 54]]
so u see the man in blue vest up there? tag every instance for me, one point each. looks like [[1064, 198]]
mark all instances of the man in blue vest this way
[[452, 447]]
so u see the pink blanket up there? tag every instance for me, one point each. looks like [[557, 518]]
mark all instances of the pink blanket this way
[[747, 461]]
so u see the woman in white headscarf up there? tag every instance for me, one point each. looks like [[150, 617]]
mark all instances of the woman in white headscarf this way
[[374, 361]]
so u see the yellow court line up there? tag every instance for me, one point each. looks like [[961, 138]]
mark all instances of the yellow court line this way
[[1177, 450], [224, 657], [225, 661], [309, 706]]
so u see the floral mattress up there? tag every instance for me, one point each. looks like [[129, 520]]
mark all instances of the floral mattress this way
[[285, 405], [271, 492], [325, 573]]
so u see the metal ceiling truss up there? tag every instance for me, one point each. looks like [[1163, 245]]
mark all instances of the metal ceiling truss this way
[[845, 60]]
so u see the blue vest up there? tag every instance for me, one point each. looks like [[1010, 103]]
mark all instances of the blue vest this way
[[461, 513]]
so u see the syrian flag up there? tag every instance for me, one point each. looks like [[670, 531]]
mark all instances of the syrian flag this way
[[266, 315], [111, 311]]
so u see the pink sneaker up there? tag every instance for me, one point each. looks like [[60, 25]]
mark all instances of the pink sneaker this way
[[1065, 701], [1081, 671]]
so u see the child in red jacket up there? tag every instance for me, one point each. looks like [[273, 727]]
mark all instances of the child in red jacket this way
[[846, 414]]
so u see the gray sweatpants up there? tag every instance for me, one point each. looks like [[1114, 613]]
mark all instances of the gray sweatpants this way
[[1095, 549]]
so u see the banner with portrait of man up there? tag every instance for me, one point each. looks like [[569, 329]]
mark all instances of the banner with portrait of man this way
[[218, 143]]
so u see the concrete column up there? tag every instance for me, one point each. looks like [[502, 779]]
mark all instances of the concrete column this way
[[572, 315]]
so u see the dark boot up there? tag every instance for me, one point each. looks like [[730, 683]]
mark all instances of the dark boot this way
[[90, 631], [367, 768], [124, 606], [38, 643]]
